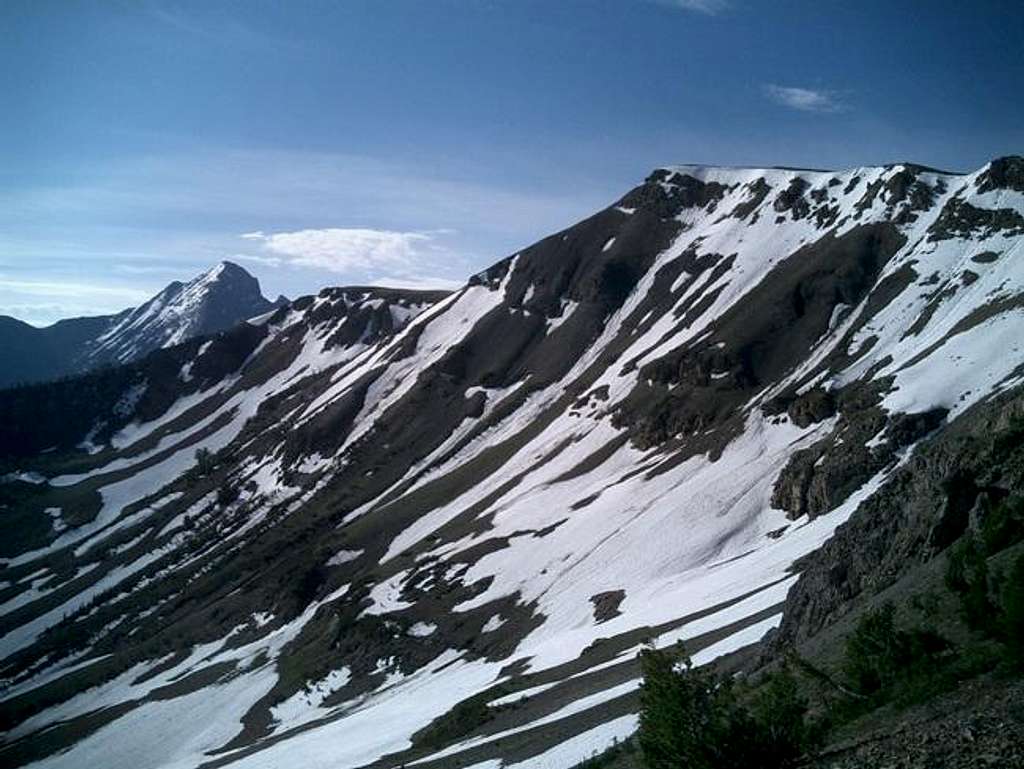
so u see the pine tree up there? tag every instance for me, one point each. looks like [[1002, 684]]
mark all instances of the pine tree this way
[[686, 713]]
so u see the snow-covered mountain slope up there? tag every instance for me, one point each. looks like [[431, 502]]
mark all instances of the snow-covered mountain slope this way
[[211, 302], [434, 531]]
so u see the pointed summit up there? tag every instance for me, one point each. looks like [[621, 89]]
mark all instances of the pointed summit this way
[[227, 270], [213, 301]]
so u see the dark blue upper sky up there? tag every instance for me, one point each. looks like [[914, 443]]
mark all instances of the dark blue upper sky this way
[[416, 142]]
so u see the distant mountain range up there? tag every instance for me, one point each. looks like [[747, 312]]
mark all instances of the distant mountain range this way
[[211, 302]]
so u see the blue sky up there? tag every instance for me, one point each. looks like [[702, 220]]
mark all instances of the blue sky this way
[[325, 143]]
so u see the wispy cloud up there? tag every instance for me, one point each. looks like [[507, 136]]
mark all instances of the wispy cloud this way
[[41, 302], [142, 269], [185, 212], [804, 99], [709, 7], [210, 24], [42, 314], [345, 249], [417, 283], [278, 190], [71, 289], [266, 261]]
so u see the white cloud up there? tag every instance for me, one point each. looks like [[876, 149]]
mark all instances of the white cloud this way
[[426, 283], [346, 249], [199, 201], [142, 269], [803, 99], [266, 261], [38, 314]]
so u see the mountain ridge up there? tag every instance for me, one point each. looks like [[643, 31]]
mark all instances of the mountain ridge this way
[[631, 429]]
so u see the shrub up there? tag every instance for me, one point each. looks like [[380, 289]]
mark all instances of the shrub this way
[[967, 576], [1012, 621], [691, 717], [988, 605], [204, 461], [683, 713], [1003, 526], [869, 662], [880, 657], [779, 714], [227, 494], [307, 586]]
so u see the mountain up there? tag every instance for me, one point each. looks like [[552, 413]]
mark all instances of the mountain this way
[[210, 302], [379, 527], [33, 354]]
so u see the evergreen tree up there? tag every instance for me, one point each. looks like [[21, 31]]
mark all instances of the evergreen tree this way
[[686, 713]]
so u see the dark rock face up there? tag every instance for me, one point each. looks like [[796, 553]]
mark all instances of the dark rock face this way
[[925, 506], [792, 199], [1003, 174], [905, 186], [606, 604], [821, 477], [813, 406], [371, 321], [759, 190], [905, 429], [755, 343], [792, 487], [667, 193], [903, 193], [961, 219], [985, 257]]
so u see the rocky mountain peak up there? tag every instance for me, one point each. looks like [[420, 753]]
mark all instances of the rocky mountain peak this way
[[212, 301], [1005, 173], [227, 273]]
